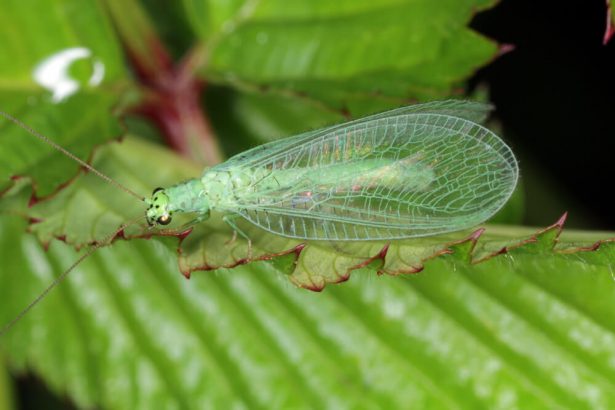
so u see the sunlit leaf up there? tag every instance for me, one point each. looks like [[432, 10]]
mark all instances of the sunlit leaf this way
[[357, 55]]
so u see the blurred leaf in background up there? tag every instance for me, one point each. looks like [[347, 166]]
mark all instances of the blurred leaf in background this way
[[529, 328]]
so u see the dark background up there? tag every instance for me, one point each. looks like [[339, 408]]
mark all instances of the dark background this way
[[554, 96]]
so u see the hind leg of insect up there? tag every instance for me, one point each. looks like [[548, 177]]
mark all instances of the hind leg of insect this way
[[229, 219]]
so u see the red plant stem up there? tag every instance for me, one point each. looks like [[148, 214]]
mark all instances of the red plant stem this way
[[173, 103], [172, 92]]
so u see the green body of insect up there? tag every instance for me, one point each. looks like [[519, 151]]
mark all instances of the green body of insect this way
[[410, 172]]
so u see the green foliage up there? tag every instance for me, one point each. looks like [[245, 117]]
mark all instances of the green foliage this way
[[79, 123], [354, 54], [528, 327]]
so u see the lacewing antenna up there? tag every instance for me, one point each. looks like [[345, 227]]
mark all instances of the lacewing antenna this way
[[96, 246], [71, 155], [64, 274]]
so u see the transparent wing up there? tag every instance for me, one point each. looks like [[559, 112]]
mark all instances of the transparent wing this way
[[470, 110], [397, 175]]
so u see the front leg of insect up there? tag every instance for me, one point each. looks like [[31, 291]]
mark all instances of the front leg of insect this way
[[199, 218]]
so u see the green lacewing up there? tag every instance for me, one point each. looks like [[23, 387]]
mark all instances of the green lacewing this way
[[410, 172], [414, 171]]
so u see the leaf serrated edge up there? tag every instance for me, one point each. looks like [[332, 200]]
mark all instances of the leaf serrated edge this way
[[449, 248], [187, 271], [81, 170], [558, 225], [343, 277]]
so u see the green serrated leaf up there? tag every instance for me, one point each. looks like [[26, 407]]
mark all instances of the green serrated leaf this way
[[522, 329], [344, 55]]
